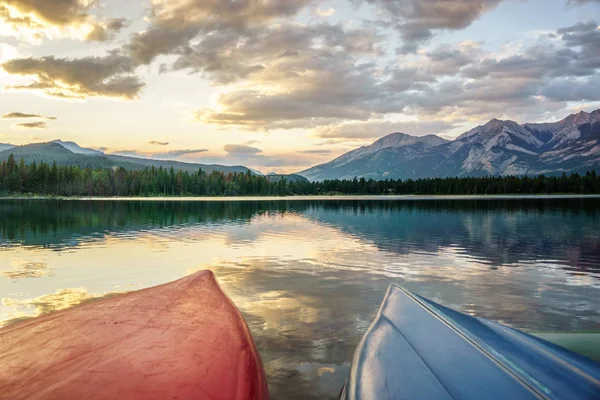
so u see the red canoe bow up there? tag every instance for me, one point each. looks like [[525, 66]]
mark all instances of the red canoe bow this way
[[181, 340]]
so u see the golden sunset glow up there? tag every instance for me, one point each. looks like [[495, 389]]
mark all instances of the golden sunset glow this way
[[302, 80]]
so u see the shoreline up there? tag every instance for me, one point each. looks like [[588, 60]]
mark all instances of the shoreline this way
[[310, 198]]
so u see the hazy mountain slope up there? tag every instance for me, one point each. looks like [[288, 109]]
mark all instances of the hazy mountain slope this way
[[70, 153], [75, 148], [87, 158], [50, 152], [380, 160], [133, 163], [496, 148], [5, 146]]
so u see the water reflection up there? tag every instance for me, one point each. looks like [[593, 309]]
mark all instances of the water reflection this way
[[309, 275]]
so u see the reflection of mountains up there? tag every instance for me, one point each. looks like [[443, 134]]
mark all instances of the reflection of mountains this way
[[67, 223], [497, 231], [493, 231]]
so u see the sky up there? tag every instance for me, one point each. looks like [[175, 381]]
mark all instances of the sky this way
[[282, 85]]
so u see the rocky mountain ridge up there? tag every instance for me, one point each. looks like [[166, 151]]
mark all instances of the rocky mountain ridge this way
[[496, 148]]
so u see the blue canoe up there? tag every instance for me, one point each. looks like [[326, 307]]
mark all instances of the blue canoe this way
[[417, 349]]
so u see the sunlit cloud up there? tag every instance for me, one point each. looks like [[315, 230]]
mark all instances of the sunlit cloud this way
[[379, 128], [31, 125], [108, 76], [19, 115], [322, 152], [35, 20], [325, 13], [241, 149]]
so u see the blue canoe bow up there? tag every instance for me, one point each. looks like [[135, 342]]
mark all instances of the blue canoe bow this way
[[418, 349]]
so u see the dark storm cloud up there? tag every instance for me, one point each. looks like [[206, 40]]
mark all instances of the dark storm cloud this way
[[107, 76], [417, 20], [32, 125], [241, 149], [19, 115]]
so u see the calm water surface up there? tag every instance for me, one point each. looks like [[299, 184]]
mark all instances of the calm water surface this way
[[309, 275]]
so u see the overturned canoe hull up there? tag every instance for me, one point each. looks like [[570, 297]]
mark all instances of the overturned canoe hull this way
[[417, 349], [182, 340]]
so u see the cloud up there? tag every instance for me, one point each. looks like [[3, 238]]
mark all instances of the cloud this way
[[283, 71], [264, 55], [571, 89], [178, 153], [107, 31], [325, 13], [31, 125], [446, 60], [533, 82], [417, 20], [323, 152], [173, 23], [345, 89], [378, 128], [241, 149], [126, 153], [77, 78], [319, 86], [35, 19], [154, 142], [19, 115]]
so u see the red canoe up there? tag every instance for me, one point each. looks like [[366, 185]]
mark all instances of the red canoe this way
[[182, 340]]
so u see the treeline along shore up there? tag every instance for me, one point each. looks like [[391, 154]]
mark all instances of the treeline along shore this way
[[54, 180]]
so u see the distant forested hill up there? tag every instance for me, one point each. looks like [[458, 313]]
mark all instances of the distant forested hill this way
[[56, 152]]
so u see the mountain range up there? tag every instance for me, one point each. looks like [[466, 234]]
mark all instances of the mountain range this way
[[496, 148], [70, 153]]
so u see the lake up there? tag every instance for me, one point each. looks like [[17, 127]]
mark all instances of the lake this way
[[309, 274]]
